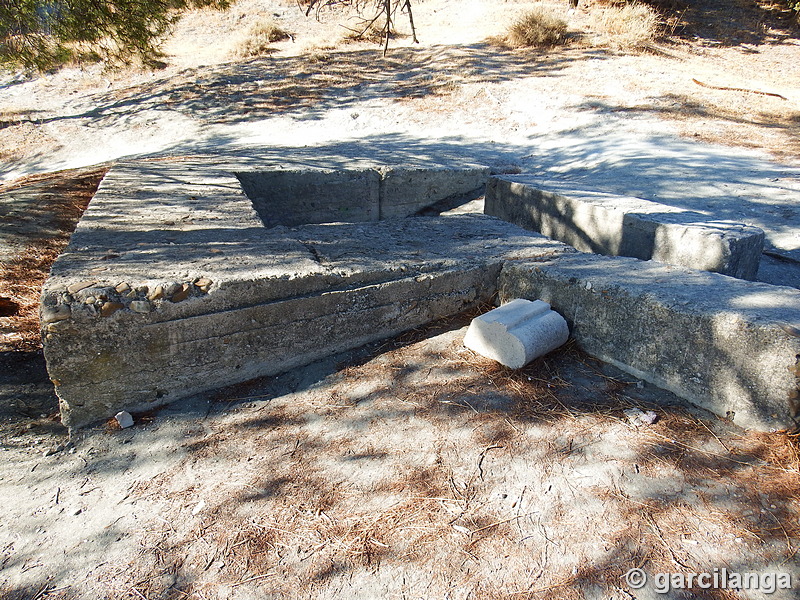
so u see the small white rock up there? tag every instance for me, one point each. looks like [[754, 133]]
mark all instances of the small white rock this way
[[637, 417], [124, 419]]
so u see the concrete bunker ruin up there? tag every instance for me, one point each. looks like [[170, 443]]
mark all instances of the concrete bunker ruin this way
[[189, 275]]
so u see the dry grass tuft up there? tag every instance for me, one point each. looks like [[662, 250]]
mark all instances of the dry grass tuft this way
[[629, 26], [537, 28], [259, 38], [374, 32]]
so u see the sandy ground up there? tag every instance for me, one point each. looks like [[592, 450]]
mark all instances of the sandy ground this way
[[410, 469]]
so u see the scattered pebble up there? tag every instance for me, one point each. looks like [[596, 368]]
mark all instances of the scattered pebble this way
[[638, 417], [124, 419]]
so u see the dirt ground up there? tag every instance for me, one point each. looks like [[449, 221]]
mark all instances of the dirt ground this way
[[411, 468]]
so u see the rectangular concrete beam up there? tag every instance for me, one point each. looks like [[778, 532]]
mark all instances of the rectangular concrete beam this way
[[407, 190], [302, 196], [127, 360], [172, 284], [727, 345], [621, 226]]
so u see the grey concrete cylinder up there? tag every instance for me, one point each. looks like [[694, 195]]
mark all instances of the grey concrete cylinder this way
[[517, 332]]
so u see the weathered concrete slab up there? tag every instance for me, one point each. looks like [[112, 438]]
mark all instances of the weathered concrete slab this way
[[728, 345], [172, 284], [622, 226]]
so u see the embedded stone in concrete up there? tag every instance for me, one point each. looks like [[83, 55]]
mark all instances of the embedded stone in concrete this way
[[517, 332], [728, 345], [622, 226]]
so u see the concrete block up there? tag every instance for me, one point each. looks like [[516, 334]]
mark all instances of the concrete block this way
[[728, 345], [158, 297], [300, 197], [407, 190], [517, 332], [622, 226]]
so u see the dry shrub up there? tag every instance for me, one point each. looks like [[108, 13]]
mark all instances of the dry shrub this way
[[258, 38], [538, 27], [374, 32], [630, 26]]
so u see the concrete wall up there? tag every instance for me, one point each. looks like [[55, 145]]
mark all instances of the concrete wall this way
[[724, 344], [295, 197], [622, 226]]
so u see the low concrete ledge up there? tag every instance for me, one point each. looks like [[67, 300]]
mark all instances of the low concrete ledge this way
[[173, 283], [727, 345], [621, 226], [293, 197]]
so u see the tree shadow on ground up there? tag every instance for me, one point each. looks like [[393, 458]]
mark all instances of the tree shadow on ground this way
[[725, 23], [570, 512], [266, 86]]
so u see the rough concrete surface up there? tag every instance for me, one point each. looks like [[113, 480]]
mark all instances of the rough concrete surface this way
[[730, 346], [172, 284], [616, 225]]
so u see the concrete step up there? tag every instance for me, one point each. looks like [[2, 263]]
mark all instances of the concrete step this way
[[616, 225]]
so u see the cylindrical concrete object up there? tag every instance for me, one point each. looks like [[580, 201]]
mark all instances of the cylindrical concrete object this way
[[517, 332]]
